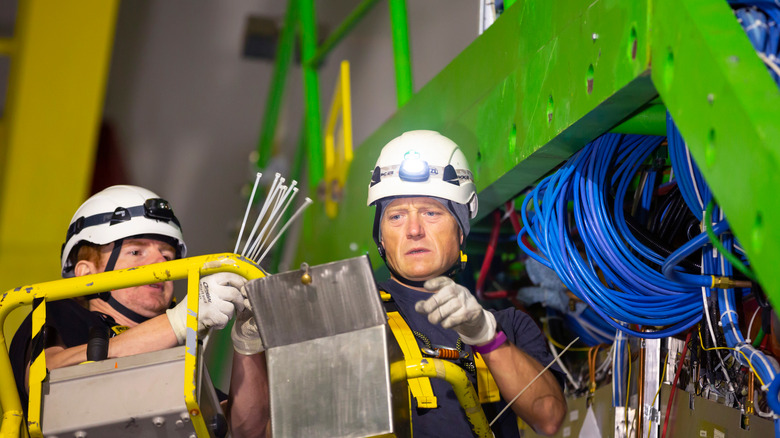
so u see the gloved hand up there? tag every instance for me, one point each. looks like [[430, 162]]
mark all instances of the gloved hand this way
[[453, 306], [245, 335], [220, 297]]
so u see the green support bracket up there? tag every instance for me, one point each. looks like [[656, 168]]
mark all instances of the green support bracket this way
[[728, 110]]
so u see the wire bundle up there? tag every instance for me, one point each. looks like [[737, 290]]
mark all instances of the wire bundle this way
[[632, 290], [761, 19], [721, 262]]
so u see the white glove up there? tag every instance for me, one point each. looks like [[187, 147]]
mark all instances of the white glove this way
[[245, 335], [454, 307], [219, 296]]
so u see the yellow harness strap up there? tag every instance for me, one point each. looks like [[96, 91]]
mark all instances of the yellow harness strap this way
[[421, 387], [486, 384]]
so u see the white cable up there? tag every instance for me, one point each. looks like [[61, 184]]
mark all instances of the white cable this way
[[306, 203], [246, 214], [750, 326], [712, 333], [271, 192], [769, 63], [693, 177], [532, 381], [563, 367]]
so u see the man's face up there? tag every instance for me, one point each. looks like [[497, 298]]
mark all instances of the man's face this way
[[420, 237], [149, 300]]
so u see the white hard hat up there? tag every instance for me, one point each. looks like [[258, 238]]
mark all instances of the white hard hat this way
[[423, 163], [119, 212]]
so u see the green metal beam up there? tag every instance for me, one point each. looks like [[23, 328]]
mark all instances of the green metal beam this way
[[650, 120], [311, 87], [535, 87], [354, 18], [273, 105], [401, 52], [728, 110]]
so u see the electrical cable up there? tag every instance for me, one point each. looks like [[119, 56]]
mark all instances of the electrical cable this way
[[631, 291], [652, 403], [531, 382], [674, 384], [735, 262]]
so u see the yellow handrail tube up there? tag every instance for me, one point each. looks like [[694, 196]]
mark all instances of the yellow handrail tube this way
[[464, 390], [91, 284]]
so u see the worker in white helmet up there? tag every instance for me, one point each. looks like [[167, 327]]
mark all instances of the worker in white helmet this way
[[425, 195], [123, 227]]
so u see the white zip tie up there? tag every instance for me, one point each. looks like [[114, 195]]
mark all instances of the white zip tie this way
[[532, 381], [297, 213], [260, 216], [258, 243], [279, 216], [246, 214]]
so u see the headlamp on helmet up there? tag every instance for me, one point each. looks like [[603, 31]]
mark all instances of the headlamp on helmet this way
[[413, 168]]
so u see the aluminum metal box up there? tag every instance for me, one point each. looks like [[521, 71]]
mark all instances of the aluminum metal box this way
[[140, 395], [330, 353]]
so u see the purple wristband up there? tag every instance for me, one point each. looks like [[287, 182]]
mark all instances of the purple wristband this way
[[492, 345]]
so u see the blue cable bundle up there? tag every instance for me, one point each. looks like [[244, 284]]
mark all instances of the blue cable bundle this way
[[632, 291], [761, 21]]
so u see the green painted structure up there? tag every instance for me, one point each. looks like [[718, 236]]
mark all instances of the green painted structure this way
[[553, 76]]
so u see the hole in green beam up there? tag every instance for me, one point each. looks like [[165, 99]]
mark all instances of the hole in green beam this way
[[709, 152], [550, 109], [589, 79], [668, 68]]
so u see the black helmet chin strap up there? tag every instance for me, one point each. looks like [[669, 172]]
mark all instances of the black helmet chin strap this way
[[110, 264], [119, 307]]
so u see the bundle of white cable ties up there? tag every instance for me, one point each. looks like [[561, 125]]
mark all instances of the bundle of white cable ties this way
[[280, 196]]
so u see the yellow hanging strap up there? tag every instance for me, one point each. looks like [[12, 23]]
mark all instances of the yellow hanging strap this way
[[37, 367], [486, 384], [420, 387]]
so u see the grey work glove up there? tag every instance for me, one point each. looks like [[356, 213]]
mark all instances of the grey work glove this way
[[454, 307], [220, 297], [245, 335]]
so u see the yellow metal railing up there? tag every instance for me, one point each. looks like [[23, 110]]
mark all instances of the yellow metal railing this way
[[191, 268]]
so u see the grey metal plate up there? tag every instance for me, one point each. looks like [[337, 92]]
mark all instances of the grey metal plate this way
[[140, 395], [342, 297], [337, 386]]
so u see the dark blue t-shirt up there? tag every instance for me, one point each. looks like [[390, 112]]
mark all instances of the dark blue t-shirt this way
[[449, 419]]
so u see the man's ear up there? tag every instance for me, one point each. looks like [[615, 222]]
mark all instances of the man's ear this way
[[85, 267]]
